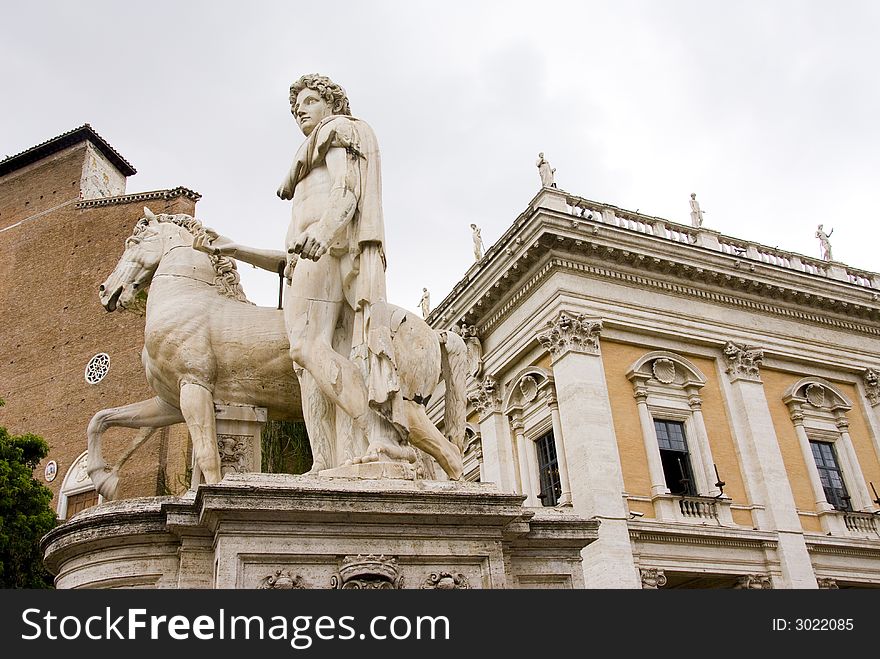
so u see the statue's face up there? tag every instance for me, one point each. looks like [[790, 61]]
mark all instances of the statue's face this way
[[309, 108]]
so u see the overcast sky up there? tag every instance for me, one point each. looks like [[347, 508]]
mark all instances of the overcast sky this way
[[768, 110]]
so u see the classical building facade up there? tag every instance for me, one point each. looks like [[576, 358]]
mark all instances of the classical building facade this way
[[64, 218], [712, 402]]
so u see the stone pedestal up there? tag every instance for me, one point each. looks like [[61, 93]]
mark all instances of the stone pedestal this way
[[239, 431], [281, 531]]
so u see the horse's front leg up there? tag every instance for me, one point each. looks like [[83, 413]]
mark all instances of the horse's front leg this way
[[197, 405], [152, 413]]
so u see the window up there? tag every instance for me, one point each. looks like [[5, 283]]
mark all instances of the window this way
[[548, 470], [829, 474], [675, 457]]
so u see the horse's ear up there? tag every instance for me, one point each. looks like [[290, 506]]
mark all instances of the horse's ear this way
[[150, 215]]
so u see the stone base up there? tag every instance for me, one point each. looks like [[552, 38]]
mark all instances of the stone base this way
[[280, 531], [372, 470]]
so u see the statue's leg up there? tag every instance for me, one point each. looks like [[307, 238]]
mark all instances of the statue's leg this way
[[312, 310], [152, 413], [197, 405], [424, 435], [320, 417]]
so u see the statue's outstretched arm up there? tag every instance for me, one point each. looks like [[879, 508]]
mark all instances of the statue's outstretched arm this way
[[267, 259]]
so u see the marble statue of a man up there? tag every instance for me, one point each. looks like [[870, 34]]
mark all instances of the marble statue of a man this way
[[335, 265], [546, 172], [425, 303], [696, 213], [478, 242], [824, 242]]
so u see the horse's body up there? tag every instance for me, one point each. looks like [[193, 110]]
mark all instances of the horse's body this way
[[204, 343]]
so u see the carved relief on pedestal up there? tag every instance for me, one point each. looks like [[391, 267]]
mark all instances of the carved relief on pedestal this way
[[446, 581], [486, 398], [369, 572], [282, 580], [743, 362], [754, 582], [872, 385], [235, 453], [652, 578], [571, 332]]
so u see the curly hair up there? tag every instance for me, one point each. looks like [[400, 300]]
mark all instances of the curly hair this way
[[329, 91]]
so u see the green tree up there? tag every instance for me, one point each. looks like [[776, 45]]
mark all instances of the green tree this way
[[25, 512]]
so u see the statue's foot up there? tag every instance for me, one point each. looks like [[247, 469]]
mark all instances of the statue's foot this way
[[106, 482], [385, 452]]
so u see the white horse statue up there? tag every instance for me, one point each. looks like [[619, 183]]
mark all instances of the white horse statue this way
[[205, 343]]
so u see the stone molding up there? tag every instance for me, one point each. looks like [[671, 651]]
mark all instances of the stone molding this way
[[652, 578], [743, 361], [139, 197], [571, 332]]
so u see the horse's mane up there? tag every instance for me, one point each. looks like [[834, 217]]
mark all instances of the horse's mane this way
[[227, 281]]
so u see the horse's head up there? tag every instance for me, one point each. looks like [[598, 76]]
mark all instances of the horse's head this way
[[143, 251]]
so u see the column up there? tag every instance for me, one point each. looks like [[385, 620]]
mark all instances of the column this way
[[498, 463], [708, 462], [590, 446], [797, 418], [525, 473], [861, 497], [559, 441], [652, 449], [764, 470]]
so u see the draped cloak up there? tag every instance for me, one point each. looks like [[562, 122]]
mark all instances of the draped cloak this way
[[363, 267]]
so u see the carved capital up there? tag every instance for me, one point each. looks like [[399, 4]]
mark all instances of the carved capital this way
[[652, 578], [754, 582], [872, 385], [486, 398], [797, 417], [640, 391], [695, 402], [842, 423], [827, 584], [571, 332], [743, 362]]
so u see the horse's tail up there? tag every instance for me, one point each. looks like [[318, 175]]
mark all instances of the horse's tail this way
[[454, 370]]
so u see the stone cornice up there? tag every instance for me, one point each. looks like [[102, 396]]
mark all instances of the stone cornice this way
[[560, 263], [541, 240], [139, 197]]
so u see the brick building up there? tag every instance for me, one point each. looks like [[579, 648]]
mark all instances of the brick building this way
[[64, 216]]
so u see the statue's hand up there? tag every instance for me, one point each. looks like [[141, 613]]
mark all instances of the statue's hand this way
[[312, 243], [202, 244], [284, 190]]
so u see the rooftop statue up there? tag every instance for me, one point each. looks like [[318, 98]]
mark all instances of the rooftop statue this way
[[478, 242], [546, 172], [696, 213], [425, 303], [824, 243]]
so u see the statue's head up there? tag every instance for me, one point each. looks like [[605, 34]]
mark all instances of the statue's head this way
[[314, 97], [473, 226], [819, 227], [693, 195]]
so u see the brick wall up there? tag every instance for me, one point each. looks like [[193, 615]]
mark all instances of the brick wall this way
[[53, 322]]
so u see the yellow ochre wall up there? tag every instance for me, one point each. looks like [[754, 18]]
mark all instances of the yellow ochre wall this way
[[775, 385], [617, 358]]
